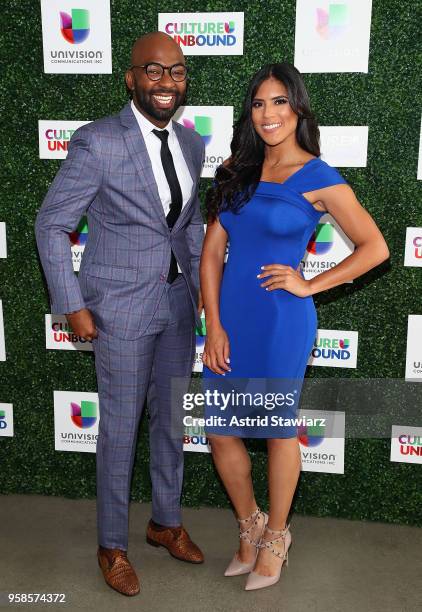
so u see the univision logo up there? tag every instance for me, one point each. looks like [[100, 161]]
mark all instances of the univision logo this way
[[201, 331], [3, 423], [75, 27], [200, 343], [202, 125], [83, 415], [321, 240], [80, 235], [310, 435], [332, 23]]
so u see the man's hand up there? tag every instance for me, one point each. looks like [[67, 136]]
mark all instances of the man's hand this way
[[82, 324]]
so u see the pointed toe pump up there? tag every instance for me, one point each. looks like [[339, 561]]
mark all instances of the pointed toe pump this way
[[252, 534], [257, 581]]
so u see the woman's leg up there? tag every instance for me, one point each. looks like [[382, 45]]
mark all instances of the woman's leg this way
[[284, 464], [234, 468]]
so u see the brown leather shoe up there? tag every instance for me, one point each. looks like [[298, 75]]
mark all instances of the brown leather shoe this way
[[176, 540], [117, 571]]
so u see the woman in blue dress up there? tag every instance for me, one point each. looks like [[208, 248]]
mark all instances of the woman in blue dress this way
[[266, 201]]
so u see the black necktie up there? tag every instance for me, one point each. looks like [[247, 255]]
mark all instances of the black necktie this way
[[175, 191]]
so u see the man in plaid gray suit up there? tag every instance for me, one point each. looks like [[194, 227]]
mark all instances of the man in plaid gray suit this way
[[136, 176]]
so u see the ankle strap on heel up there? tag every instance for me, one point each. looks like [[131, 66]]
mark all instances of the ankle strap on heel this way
[[281, 535], [244, 534], [251, 517], [281, 532]]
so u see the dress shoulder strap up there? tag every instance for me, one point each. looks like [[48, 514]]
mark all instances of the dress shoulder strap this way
[[318, 175]]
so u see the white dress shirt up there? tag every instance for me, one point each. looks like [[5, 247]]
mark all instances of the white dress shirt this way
[[153, 145]]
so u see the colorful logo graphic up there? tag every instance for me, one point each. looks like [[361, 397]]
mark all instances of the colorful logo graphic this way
[[332, 343], [310, 435], [84, 415], [322, 239], [3, 423], [200, 343], [58, 140], [75, 27], [201, 334], [203, 33], [80, 235], [332, 23], [201, 331], [202, 125], [410, 445], [417, 243], [333, 350]]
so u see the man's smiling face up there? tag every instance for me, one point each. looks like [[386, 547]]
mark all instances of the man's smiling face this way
[[157, 100]]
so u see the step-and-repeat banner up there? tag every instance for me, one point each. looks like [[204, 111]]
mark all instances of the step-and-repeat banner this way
[[330, 37]]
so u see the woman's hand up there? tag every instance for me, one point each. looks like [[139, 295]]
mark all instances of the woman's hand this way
[[284, 277], [217, 351]]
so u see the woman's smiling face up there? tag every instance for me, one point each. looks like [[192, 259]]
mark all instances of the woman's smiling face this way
[[272, 115]]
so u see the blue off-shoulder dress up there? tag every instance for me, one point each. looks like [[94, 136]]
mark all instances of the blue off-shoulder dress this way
[[271, 333]]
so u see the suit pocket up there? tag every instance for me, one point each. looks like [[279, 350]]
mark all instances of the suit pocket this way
[[110, 272]]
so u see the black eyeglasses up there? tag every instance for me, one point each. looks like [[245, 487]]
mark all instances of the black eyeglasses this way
[[154, 71]]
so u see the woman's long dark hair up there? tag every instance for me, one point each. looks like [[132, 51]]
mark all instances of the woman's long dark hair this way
[[236, 181]]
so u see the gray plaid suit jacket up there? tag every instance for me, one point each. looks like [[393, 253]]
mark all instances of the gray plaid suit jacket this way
[[108, 175]]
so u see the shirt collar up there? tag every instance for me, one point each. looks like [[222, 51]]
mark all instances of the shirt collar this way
[[146, 126]]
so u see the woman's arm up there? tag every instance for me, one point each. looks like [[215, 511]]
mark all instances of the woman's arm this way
[[371, 248], [216, 350]]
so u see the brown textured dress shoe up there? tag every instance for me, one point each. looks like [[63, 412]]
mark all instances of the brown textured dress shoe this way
[[176, 540], [117, 571]]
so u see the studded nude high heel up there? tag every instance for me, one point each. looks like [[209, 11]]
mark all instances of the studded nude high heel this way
[[257, 581], [236, 567]]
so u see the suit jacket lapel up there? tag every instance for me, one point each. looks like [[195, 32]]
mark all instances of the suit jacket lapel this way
[[137, 149], [187, 154]]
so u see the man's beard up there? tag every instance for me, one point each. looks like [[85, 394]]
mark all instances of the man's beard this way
[[144, 100]]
